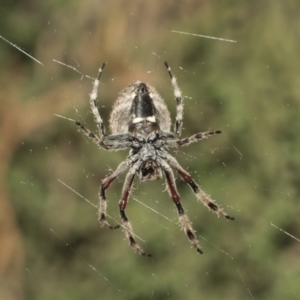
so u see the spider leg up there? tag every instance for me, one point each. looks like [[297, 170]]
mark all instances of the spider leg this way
[[115, 142], [93, 98], [179, 104], [196, 137], [185, 223], [203, 197], [122, 205], [102, 197], [92, 136]]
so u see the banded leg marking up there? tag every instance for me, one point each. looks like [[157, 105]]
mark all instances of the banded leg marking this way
[[93, 99], [126, 224], [179, 104], [201, 195], [102, 197], [196, 137], [184, 221]]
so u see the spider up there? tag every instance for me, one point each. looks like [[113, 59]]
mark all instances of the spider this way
[[140, 122]]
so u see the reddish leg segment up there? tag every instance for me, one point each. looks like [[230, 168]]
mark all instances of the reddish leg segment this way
[[205, 199], [102, 197], [122, 205], [185, 223]]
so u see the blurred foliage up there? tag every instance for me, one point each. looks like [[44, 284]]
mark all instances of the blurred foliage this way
[[51, 243]]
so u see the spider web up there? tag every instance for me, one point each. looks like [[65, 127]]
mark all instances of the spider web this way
[[238, 68]]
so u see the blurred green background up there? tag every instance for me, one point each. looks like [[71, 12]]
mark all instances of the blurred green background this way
[[51, 245]]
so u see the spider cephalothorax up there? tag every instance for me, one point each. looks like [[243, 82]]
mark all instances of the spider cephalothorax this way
[[140, 122]]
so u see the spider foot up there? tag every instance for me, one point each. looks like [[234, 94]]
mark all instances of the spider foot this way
[[228, 217], [133, 244], [186, 225], [212, 205], [103, 223], [219, 211]]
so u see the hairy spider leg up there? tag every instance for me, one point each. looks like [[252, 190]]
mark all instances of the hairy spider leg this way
[[109, 142], [93, 98], [179, 104], [92, 136], [102, 197], [196, 137], [185, 223], [122, 205], [203, 197]]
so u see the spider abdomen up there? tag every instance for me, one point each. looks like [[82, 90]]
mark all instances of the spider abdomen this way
[[139, 108]]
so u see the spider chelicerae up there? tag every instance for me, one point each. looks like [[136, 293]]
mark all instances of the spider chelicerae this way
[[140, 122]]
